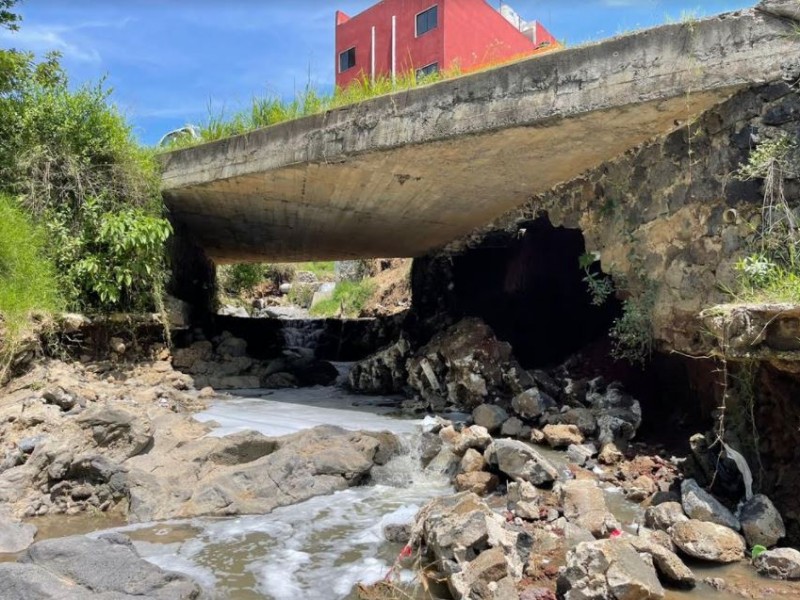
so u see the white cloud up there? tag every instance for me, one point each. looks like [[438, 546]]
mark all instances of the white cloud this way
[[45, 38]]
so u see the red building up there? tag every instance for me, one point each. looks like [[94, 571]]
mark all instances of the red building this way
[[426, 36]]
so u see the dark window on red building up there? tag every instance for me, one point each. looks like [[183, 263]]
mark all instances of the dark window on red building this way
[[427, 20], [347, 60], [429, 70]]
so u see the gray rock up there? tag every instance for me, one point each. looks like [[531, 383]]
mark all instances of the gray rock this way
[[473, 436], [120, 431], [531, 403], [700, 505], [580, 453], [231, 346], [60, 397], [708, 541], [14, 536], [79, 567], [585, 506], [513, 427], [663, 516], [761, 522], [788, 9], [185, 358], [520, 462], [780, 563], [489, 416], [669, 566], [607, 569], [384, 372], [242, 447]]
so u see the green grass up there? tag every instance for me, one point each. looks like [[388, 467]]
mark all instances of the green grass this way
[[348, 300], [324, 270], [28, 283]]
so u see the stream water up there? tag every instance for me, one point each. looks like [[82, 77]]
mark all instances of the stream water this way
[[319, 549]]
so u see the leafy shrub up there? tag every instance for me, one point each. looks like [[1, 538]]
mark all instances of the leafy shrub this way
[[632, 333], [348, 300], [302, 294], [70, 158], [242, 277], [28, 281]]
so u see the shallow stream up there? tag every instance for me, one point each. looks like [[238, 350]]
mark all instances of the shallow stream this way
[[320, 549]]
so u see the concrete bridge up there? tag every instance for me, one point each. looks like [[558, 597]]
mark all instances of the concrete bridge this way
[[401, 175]]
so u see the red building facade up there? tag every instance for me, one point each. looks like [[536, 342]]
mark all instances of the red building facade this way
[[425, 36]]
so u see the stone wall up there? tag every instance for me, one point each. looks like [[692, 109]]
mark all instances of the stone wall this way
[[671, 212]]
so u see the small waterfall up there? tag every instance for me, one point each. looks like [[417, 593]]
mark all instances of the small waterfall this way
[[302, 333]]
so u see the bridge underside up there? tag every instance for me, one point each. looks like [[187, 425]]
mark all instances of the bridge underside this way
[[402, 175]]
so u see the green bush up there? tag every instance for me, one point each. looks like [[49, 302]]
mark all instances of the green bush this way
[[242, 277], [348, 300], [28, 282], [70, 158], [302, 294]]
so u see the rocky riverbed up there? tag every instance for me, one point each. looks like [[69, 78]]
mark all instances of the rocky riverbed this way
[[526, 485]]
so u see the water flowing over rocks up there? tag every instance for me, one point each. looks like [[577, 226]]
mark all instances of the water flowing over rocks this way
[[78, 568]]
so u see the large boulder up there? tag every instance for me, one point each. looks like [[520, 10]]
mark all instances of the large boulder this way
[[77, 568], [619, 415], [120, 433], [708, 541], [520, 461], [788, 9], [382, 373], [531, 403], [608, 569], [780, 563], [465, 366], [699, 504], [761, 522]]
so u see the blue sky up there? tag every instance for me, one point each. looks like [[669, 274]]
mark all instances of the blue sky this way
[[169, 60]]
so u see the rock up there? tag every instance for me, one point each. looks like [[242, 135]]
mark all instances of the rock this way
[[607, 569], [640, 489], [14, 536], [761, 522], [610, 454], [234, 311], [121, 432], [242, 447], [513, 427], [669, 566], [430, 446], [561, 436], [446, 463], [780, 563], [389, 446], [478, 482], [698, 504], [583, 418], [77, 567], [117, 345], [60, 397], [531, 403], [278, 381], [489, 416], [317, 372], [537, 593], [472, 461], [206, 393], [708, 541], [473, 436], [520, 462], [397, 533], [469, 545], [782, 8], [464, 367], [664, 516], [537, 436], [231, 347], [185, 358], [382, 373], [580, 453], [619, 415], [585, 506]]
